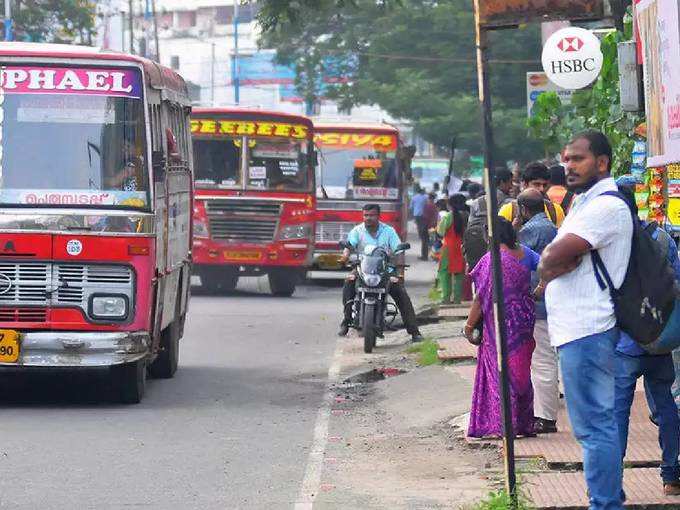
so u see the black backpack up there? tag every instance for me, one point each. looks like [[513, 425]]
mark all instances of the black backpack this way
[[645, 300]]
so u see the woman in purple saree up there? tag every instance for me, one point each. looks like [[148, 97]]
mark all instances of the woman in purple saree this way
[[485, 414]]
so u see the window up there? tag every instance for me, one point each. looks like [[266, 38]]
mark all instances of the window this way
[[186, 19], [225, 15]]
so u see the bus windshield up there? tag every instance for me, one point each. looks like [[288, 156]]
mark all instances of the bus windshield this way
[[217, 162], [72, 138], [353, 173], [278, 164]]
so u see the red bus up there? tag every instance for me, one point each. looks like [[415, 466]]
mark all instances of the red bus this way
[[254, 209], [95, 214], [358, 164]]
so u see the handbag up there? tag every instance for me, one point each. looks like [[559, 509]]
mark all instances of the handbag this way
[[477, 333]]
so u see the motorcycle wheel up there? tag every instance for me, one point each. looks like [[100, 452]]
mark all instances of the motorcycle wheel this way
[[368, 327]]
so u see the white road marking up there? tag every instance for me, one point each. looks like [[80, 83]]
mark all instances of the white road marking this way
[[311, 483]]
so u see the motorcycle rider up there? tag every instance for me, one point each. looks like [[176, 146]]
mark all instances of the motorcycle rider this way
[[374, 233]]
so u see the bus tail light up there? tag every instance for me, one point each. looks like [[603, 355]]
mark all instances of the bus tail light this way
[[134, 249]]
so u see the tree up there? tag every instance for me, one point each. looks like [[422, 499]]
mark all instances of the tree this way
[[60, 21], [414, 58]]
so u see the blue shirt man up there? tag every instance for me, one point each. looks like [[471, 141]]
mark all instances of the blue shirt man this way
[[418, 204], [632, 362], [374, 233]]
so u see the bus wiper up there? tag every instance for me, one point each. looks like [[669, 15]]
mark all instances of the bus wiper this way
[[78, 227], [323, 191]]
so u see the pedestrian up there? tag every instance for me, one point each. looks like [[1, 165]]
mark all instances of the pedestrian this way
[[581, 317], [475, 241], [558, 192], [633, 362], [431, 215], [537, 233], [451, 271], [485, 414], [418, 209], [535, 176]]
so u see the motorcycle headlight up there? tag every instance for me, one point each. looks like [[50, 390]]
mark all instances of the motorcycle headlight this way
[[301, 231], [109, 307], [372, 280], [201, 229]]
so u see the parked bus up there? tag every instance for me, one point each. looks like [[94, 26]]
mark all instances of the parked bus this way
[[254, 209], [95, 224], [358, 164]]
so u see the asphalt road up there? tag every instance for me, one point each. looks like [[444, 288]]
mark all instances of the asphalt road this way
[[232, 429]]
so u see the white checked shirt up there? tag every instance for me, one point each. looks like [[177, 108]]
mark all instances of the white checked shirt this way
[[576, 305]]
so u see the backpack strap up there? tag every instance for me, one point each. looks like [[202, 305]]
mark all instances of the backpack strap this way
[[566, 200], [552, 212], [602, 276], [514, 211]]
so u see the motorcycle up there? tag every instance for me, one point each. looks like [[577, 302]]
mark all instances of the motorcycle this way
[[375, 273]]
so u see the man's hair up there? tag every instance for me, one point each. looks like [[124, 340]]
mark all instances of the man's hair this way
[[506, 233], [371, 207], [502, 175], [432, 196], [532, 202], [599, 144], [558, 176], [535, 170]]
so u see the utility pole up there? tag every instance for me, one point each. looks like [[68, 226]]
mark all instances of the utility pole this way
[[212, 75], [155, 31], [131, 21], [497, 272], [234, 70], [9, 36]]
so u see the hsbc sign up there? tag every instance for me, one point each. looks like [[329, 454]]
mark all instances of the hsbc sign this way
[[572, 58]]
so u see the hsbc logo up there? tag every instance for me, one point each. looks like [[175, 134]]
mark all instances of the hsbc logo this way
[[570, 44], [572, 58]]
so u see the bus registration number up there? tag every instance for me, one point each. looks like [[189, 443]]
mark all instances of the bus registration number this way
[[248, 256], [9, 346]]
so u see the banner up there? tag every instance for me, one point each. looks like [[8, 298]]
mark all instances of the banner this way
[[70, 80], [248, 128], [657, 21], [375, 141], [503, 13]]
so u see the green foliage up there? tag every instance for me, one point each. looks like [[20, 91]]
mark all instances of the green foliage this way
[[596, 108], [413, 58], [59, 21], [427, 352], [500, 500]]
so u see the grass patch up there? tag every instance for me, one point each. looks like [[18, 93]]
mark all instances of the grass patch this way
[[500, 500], [427, 352], [434, 295]]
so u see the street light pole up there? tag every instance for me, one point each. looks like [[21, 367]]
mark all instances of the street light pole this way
[[131, 26], [9, 36], [492, 220], [234, 69], [155, 31], [212, 75]]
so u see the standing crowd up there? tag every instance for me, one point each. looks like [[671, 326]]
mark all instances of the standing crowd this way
[[566, 240]]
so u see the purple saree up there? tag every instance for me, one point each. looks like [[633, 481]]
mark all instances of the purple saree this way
[[485, 414]]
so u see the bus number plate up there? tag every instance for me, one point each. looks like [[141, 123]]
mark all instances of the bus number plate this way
[[249, 256], [9, 346]]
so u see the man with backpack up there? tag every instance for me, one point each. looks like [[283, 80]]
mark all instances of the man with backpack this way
[[475, 242], [633, 362], [535, 176], [581, 315]]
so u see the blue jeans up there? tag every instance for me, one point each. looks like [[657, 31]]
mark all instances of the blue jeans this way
[[659, 375], [588, 374]]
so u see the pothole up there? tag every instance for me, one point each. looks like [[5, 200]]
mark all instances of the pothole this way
[[375, 375]]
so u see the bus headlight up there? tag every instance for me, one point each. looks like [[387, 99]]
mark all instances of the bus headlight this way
[[109, 307], [201, 229], [301, 231]]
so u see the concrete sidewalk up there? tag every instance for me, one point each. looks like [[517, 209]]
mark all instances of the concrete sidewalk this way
[[553, 478]]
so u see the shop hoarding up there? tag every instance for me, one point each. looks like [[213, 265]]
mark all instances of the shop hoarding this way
[[657, 21], [504, 13]]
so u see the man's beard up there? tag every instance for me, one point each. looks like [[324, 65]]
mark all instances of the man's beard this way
[[582, 188]]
